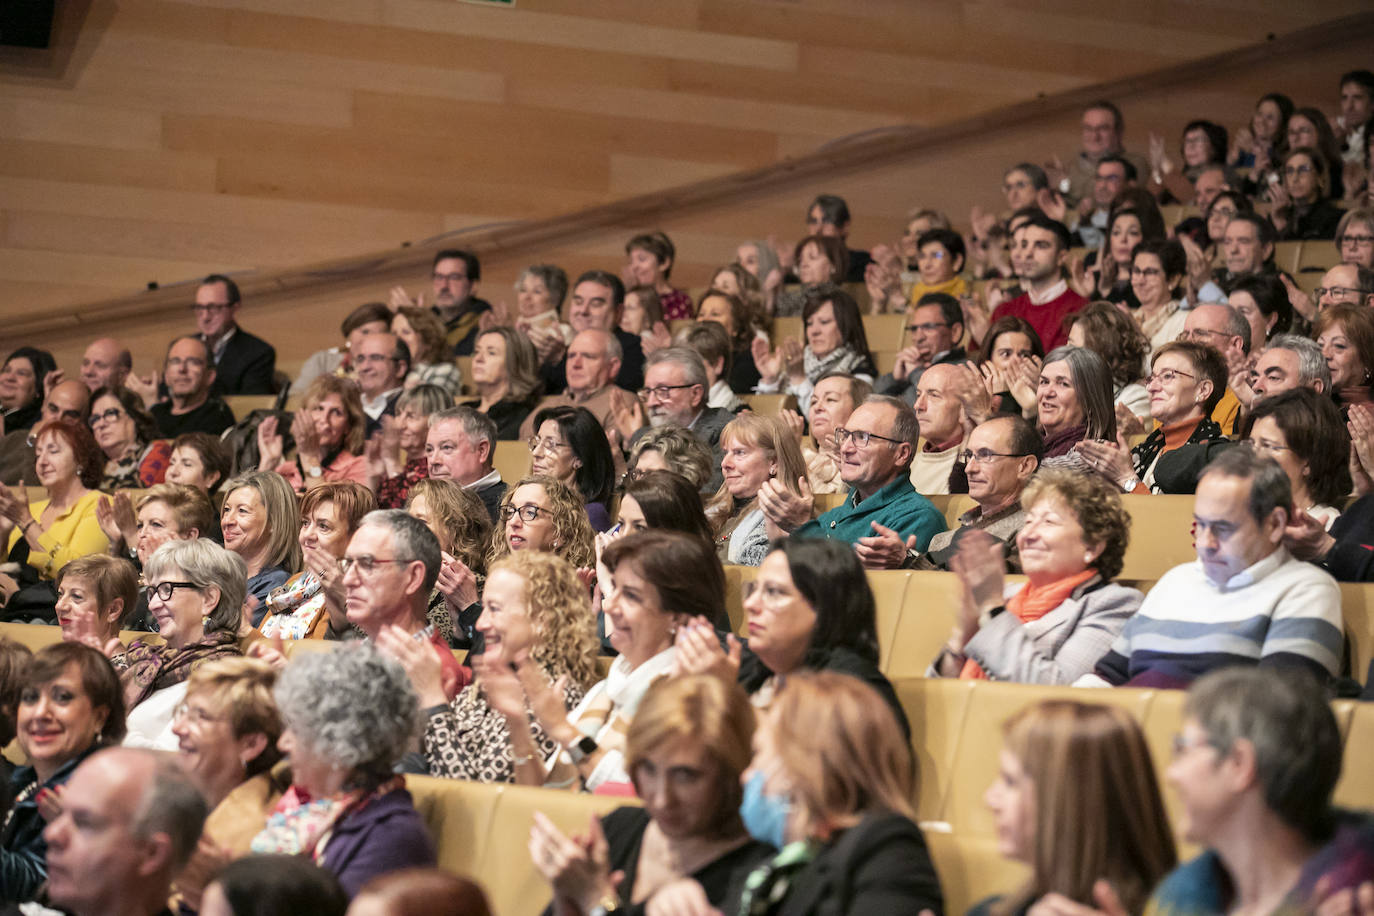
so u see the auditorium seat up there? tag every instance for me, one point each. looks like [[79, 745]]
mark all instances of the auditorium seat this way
[[1317, 257], [512, 459], [769, 405], [1161, 535], [244, 404], [935, 708], [1357, 611], [1356, 788], [824, 502], [925, 617], [1287, 255], [464, 364]]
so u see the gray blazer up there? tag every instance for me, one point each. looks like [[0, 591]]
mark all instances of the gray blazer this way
[[1061, 646]]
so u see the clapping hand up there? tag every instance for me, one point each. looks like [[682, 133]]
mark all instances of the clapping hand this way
[[794, 423], [783, 508], [578, 868], [980, 564], [308, 447], [699, 651], [116, 518], [399, 298], [1128, 422], [627, 413], [457, 584], [419, 660], [1024, 381], [884, 549], [270, 447]]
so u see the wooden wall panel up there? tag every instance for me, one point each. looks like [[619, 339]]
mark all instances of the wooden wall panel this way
[[167, 138]]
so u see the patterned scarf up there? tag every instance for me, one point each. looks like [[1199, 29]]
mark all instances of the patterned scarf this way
[[840, 359], [301, 825], [294, 608], [151, 667], [767, 885]]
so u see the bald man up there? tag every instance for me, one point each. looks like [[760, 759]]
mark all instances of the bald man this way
[[106, 363], [941, 416]]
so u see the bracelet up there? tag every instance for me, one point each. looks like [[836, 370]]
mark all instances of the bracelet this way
[[521, 761]]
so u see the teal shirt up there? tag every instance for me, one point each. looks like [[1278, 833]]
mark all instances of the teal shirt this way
[[897, 506]]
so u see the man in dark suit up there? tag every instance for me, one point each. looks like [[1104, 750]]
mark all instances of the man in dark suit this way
[[460, 446], [244, 364]]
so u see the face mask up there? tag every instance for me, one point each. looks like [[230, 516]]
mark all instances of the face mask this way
[[764, 816]]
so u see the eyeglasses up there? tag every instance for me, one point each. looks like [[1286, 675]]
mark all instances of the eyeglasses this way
[[526, 513], [374, 358], [860, 437], [1182, 743], [770, 596], [1015, 185], [1297, 170], [548, 445], [1263, 445], [450, 278], [1166, 376], [201, 308], [983, 455], [1195, 333], [1146, 271], [1357, 240], [197, 715], [366, 564], [929, 327], [1338, 292], [164, 590], [106, 416], [661, 392], [190, 362]]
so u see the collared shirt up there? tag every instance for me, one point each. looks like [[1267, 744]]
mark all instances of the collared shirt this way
[[375, 407], [217, 349], [1049, 295], [493, 477]]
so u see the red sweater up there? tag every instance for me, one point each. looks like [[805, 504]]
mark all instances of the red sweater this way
[[1046, 318]]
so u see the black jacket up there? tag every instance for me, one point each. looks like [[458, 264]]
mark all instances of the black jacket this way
[[245, 367]]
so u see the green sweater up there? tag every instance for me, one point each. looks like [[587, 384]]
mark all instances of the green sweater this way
[[897, 506]]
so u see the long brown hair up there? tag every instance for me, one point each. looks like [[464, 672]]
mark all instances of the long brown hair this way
[[1098, 812]]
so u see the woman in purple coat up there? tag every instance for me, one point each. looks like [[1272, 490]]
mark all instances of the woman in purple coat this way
[[350, 715]]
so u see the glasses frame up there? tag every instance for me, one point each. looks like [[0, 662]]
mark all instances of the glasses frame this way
[[368, 564], [861, 438], [156, 591], [527, 514]]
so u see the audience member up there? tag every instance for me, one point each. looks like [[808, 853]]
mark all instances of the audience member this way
[[1040, 248], [1345, 284], [943, 423], [461, 446], [1255, 767], [430, 364], [389, 569], [1112, 175], [15, 658], [312, 600], [569, 446], [1346, 335], [243, 364], [1355, 237], [405, 434], [381, 363], [597, 299], [1073, 402], [329, 432], [51, 531], [281, 885], [710, 341], [828, 216], [505, 374], [1185, 383], [349, 716], [1255, 144], [995, 483], [1158, 270], [371, 318], [1021, 184], [70, 706], [835, 342], [642, 314], [199, 460], [832, 771], [540, 513], [540, 291], [1110, 275], [743, 323], [1303, 207], [534, 613], [672, 448], [1288, 362], [1303, 431], [1103, 128], [1010, 363], [1056, 627], [832, 401], [1072, 773], [463, 528], [1263, 302], [260, 522], [421, 892], [820, 260], [454, 275], [662, 500], [689, 827], [1246, 600], [1225, 330], [105, 364], [129, 822], [1310, 127], [195, 593], [649, 261], [1113, 335], [69, 400], [1247, 247], [96, 594], [21, 387], [940, 265], [191, 408], [126, 434], [675, 387], [593, 362], [936, 326], [761, 461], [761, 259]]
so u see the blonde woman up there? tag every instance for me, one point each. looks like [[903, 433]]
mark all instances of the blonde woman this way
[[754, 450], [329, 430]]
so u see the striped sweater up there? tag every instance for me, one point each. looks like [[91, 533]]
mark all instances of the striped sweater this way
[[1280, 611]]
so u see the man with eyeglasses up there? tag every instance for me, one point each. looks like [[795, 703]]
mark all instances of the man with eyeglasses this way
[[1102, 128], [243, 364], [69, 400], [1112, 175], [675, 386], [1245, 601], [1345, 284], [876, 446], [389, 570], [935, 325], [380, 364], [460, 446], [1002, 455], [454, 276], [1225, 330], [1355, 238], [191, 408]]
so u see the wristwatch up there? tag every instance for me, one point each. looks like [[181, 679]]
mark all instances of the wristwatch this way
[[316, 471], [582, 748], [608, 905], [1129, 484]]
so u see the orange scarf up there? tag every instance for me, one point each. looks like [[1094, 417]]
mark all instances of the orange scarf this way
[[1032, 603]]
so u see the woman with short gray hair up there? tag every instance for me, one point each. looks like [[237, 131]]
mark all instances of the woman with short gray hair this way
[[349, 716], [195, 595]]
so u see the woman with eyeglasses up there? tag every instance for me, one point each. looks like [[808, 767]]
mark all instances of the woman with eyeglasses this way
[[810, 609], [570, 446], [329, 430], [311, 603], [1303, 206], [1303, 431], [755, 450], [1355, 236], [541, 513], [126, 433], [1186, 381], [1058, 625], [1159, 268], [195, 593], [44, 535]]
